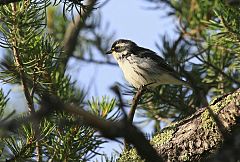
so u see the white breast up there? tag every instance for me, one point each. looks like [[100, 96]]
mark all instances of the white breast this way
[[135, 76], [139, 71]]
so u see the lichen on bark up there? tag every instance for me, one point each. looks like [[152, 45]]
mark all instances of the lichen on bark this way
[[198, 136]]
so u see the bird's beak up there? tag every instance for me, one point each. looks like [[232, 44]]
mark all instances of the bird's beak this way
[[109, 52]]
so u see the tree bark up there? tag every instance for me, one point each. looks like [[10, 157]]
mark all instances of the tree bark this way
[[199, 136]]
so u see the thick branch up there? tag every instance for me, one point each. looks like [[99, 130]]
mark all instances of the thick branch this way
[[198, 136], [192, 139], [229, 152]]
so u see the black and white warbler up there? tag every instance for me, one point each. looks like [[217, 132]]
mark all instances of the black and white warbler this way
[[142, 66]]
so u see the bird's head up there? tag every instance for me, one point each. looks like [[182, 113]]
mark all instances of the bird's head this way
[[121, 47]]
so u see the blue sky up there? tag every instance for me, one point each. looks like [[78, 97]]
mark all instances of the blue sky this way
[[131, 21]]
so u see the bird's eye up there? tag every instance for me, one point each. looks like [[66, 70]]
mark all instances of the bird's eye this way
[[118, 49]]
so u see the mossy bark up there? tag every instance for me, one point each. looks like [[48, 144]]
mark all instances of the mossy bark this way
[[199, 136]]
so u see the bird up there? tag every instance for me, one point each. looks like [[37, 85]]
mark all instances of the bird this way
[[142, 66]]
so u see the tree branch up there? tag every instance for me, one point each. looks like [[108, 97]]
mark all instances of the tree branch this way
[[113, 130], [192, 139], [108, 129], [135, 101], [73, 29], [219, 70], [18, 62], [197, 137]]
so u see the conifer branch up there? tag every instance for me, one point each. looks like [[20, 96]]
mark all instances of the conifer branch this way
[[208, 63], [108, 129], [173, 143], [73, 29], [20, 67]]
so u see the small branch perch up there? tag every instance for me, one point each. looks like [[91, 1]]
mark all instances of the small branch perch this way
[[18, 62], [135, 101]]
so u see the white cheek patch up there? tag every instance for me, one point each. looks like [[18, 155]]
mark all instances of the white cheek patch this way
[[119, 56]]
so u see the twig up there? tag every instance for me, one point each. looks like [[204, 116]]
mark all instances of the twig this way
[[39, 151], [219, 70], [73, 29], [19, 64], [23, 78], [34, 84], [159, 118], [121, 104], [103, 4], [135, 101]]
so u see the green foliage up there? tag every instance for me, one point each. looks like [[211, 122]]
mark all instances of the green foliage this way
[[3, 102], [65, 89], [21, 146], [160, 104], [72, 5], [69, 141], [24, 20], [104, 108], [205, 52], [32, 60]]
